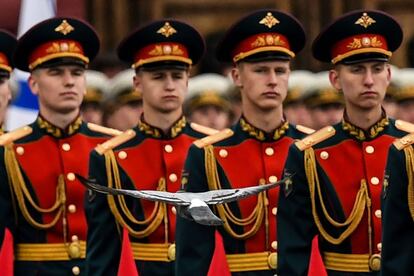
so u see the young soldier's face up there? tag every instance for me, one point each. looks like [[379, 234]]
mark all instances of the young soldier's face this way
[[364, 84], [5, 96], [262, 84], [162, 90], [60, 88]]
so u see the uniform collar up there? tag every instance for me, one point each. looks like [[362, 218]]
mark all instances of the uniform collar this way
[[156, 132], [56, 131], [262, 135], [362, 135]]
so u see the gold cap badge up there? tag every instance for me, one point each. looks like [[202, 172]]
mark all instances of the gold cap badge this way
[[269, 20], [167, 30], [365, 20], [64, 28]]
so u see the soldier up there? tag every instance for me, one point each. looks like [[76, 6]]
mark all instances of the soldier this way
[[404, 94], [398, 209], [123, 104], [41, 201], [293, 105], [148, 157], [7, 45], [207, 103], [337, 171], [91, 108], [325, 105], [261, 46]]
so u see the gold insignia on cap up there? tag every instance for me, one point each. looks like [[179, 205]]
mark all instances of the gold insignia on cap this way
[[364, 42], [365, 20], [167, 30], [269, 20], [64, 27]]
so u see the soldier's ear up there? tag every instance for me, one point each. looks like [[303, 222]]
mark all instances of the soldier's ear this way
[[33, 84], [137, 82], [235, 74], [334, 79]]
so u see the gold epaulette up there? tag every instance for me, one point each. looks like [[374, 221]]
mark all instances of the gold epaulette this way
[[404, 126], [14, 135], [404, 141], [315, 138], [306, 130], [104, 130], [203, 129], [208, 140], [115, 141]]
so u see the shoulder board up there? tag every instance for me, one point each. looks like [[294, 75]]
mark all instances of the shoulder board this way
[[14, 135], [208, 140], [115, 141], [104, 130], [404, 126], [404, 141], [203, 129], [315, 138], [306, 130]]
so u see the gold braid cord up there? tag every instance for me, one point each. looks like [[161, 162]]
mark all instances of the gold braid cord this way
[[362, 201], [23, 196], [158, 214], [409, 161], [255, 218]]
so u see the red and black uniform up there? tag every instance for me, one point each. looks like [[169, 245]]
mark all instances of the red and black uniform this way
[[41, 201], [337, 175], [248, 157], [147, 159]]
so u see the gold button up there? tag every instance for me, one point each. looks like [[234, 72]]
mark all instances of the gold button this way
[[173, 210], [70, 176], [74, 250], [168, 148], [66, 147], [272, 260], [272, 179], [374, 180], [378, 213], [274, 245], [223, 153], [122, 155], [72, 208], [269, 151], [274, 211], [369, 149], [379, 246], [324, 155], [173, 177], [171, 252], [20, 150], [76, 270], [75, 238], [375, 262]]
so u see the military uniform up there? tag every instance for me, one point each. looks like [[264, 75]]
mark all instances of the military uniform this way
[[337, 172], [398, 210], [41, 201], [247, 157], [143, 158]]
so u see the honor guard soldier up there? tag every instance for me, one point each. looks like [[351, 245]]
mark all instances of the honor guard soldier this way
[[148, 157], [325, 104], [91, 108], [337, 171], [261, 46], [207, 103], [398, 207], [41, 201], [123, 103], [7, 45]]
